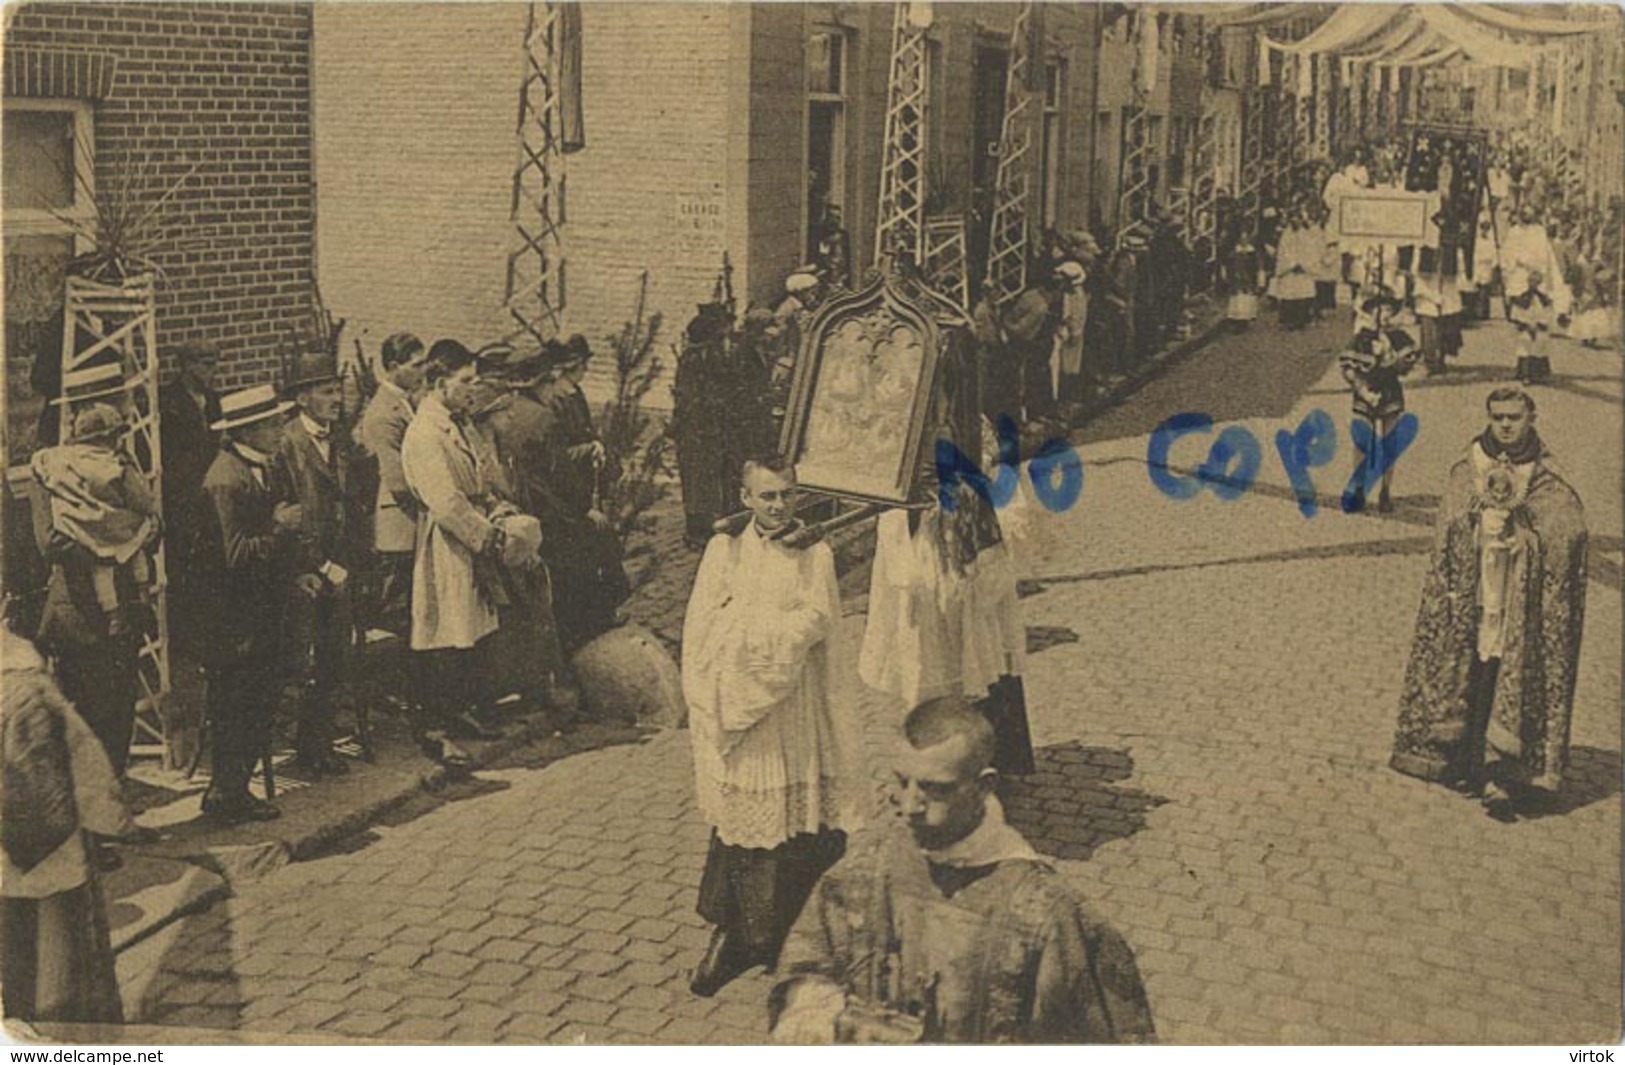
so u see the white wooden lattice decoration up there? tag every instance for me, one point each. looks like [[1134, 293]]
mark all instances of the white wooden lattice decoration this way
[[943, 263], [899, 227], [1007, 243], [99, 318], [535, 291]]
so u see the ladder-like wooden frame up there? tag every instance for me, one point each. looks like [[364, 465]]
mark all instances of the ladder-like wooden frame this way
[[944, 263], [122, 319], [1006, 274], [900, 223], [535, 291]]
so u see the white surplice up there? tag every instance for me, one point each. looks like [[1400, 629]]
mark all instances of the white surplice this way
[[933, 632], [773, 755]]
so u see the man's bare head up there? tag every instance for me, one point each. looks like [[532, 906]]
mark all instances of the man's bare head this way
[[943, 771], [1511, 414], [769, 490]]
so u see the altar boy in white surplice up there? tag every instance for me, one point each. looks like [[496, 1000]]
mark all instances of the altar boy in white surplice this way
[[776, 761]]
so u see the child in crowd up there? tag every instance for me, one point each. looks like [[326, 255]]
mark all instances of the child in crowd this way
[[1383, 350], [1296, 258], [101, 502]]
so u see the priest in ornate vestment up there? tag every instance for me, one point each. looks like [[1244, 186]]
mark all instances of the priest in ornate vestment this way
[[776, 759], [1489, 691], [953, 930]]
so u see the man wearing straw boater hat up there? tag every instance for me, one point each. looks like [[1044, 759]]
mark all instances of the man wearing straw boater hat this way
[[319, 460], [261, 554]]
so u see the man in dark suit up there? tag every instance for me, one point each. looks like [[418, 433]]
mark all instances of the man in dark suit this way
[[258, 553], [582, 552], [187, 408], [317, 463], [394, 517]]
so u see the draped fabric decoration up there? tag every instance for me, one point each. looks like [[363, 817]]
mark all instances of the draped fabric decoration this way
[[572, 135], [1401, 34], [1483, 46], [1149, 46], [1420, 35], [1348, 27], [1515, 22], [1219, 16]]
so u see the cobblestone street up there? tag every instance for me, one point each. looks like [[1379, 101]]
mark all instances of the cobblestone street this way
[[1213, 687]]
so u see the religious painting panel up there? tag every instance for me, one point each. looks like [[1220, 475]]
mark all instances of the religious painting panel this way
[[861, 396]]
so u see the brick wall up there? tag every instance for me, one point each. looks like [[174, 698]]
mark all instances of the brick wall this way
[[415, 150], [225, 87]]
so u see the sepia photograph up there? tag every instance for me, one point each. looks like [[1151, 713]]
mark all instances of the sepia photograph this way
[[725, 523]]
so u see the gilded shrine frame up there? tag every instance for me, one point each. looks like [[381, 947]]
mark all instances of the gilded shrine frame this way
[[862, 392]]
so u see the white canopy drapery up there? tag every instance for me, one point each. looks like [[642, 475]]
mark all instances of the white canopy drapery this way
[[1420, 34]]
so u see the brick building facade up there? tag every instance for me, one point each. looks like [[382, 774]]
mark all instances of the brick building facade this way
[[415, 152], [133, 96], [709, 128]]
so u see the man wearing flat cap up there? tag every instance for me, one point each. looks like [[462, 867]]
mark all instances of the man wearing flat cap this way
[[582, 551], [461, 545], [318, 461], [505, 429]]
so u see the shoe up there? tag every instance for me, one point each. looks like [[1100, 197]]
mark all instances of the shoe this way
[[239, 809], [1468, 786], [138, 836], [445, 753], [1500, 804], [466, 726], [105, 859], [321, 765], [724, 960]]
